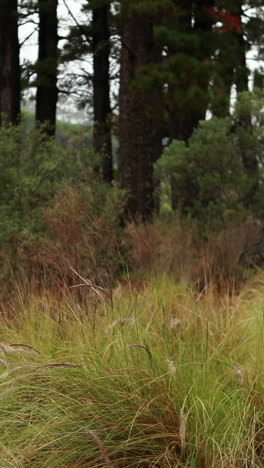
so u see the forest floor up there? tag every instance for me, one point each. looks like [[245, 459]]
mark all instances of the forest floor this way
[[154, 375]]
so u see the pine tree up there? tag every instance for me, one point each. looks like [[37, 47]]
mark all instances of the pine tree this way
[[46, 66], [101, 86], [140, 97], [92, 38], [9, 62]]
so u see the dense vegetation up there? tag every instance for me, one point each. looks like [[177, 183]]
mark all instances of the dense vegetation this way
[[132, 248]]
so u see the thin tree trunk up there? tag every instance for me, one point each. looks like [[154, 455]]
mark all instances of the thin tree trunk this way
[[9, 62], [101, 87], [242, 71], [47, 92], [140, 135]]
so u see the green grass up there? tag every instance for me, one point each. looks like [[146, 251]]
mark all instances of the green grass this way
[[147, 392]]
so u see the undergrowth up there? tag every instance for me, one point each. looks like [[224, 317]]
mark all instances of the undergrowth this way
[[153, 376]]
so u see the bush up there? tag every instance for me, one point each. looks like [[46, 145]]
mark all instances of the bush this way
[[163, 247], [31, 169], [52, 210], [83, 232], [218, 174]]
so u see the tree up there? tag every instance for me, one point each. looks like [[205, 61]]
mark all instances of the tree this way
[[140, 97], [9, 62], [101, 86], [188, 42], [46, 66], [230, 55], [91, 38], [212, 182]]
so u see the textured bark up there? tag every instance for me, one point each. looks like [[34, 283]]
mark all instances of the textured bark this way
[[101, 88], [242, 71], [47, 92], [140, 135], [9, 62], [249, 157]]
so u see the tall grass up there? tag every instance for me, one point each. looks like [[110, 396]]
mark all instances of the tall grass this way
[[157, 377]]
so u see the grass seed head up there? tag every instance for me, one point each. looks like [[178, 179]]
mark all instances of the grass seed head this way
[[103, 450]]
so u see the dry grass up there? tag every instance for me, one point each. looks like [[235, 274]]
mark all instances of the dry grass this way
[[222, 261], [159, 377]]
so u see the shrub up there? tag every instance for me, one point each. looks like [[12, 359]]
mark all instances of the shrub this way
[[170, 247], [218, 174], [53, 213], [83, 232], [222, 261]]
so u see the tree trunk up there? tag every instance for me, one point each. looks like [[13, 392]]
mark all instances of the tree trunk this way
[[242, 71], [9, 62], [47, 92], [189, 92], [101, 87], [249, 157], [140, 135]]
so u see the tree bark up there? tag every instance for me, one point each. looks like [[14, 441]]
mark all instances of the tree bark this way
[[101, 87], [47, 92], [9, 62], [140, 135], [249, 157]]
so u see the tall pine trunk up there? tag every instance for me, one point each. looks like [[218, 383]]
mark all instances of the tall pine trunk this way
[[101, 87], [249, 157], [140, 135], [47, 92], [9, 62]]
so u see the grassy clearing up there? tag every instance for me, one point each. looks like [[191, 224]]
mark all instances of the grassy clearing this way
[[164, 378]]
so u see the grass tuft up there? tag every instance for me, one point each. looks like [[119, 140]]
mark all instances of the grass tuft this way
[[175, 382]]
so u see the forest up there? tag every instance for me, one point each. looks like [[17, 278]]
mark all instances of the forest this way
[[132, 237]]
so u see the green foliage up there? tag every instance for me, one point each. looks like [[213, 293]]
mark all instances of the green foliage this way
[[31, 168], [51, 205], [149, 8], [209, 177], [204, 185], [74, 137]]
